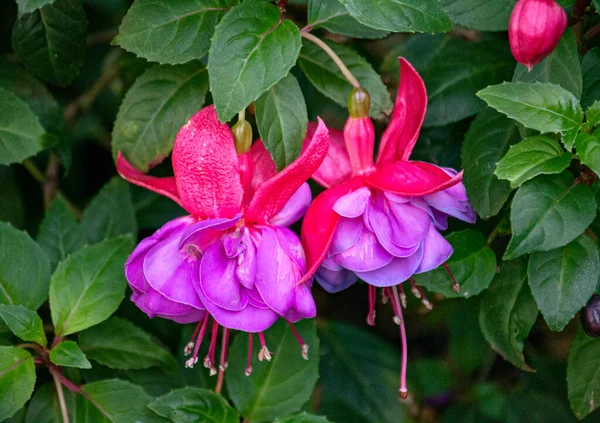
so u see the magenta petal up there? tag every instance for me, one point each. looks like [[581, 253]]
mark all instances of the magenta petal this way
[[292, 246], [335, 280], [156, 305], [134, 267], [203, 233], [367, 254], [346, 234], [409, 224], [295, 208], [436, 251], [446, 202], [304, 304], [354, 203], [397, 271], [246, 269]]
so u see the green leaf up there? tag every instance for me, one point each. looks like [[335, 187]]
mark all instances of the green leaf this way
[[68, 354], [508, 311], [359, 376], [333, 16], [302, 418], [24, 269], [191, 405], [323, 73], [562, 280], [110, 213], [89, 285], [532, 157], [549, 212], [590, 66], [543, 107], [28, 6], [473, 264], [44, 407], [592, 114], [561, 67], [486, 141], [21, 135], [400, 15], [119, 344], [282, 120], [12, 209], [115, 401], [485, 15], [24, 323], [156, 106], [17, 378], [252, 49], [569, 137], [583, 367], [467, 348], [51, 41], [282, 385], [171, 32], [60, 233], [588, 150]]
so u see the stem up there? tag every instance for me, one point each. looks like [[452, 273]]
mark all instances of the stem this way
[[32, 346], [592, 32], [50, 187], [61, 395], [334, 57]]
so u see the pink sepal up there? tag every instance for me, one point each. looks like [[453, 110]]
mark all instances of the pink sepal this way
[[336, 166]]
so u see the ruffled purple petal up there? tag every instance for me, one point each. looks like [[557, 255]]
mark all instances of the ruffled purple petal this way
[[246, 260], [346, 234], [204, 233], [408, 223], [291, 244], [156, 305], [397, 271], [295, 208], [366, 255], [436, 251], [353, 204], [335, 280], [304, 305]]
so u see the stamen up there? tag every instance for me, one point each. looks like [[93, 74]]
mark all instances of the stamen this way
[[264, 353], [403, 299], [223, 360], [414, 290], [249, 366], [425, 300], [371, 315], [303, 345], [403, 390], [209, 360], [190, 345], [455, 285], [193, 252], [190, 363], [395, 318], [384, 297]]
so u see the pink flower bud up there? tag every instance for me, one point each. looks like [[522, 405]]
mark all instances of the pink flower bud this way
[[535, 29]]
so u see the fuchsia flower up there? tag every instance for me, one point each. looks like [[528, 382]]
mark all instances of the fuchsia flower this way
[[380, 221], [232, 258], [535, 29]]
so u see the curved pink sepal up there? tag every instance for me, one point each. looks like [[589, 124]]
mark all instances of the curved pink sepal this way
[[401, 134], [273, 194], [264, 166], [336, 166], [206, 167], [412, 178], [163, 186]]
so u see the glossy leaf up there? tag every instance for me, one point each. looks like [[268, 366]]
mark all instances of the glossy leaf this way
[[156, 106], [282, 385], [472, 263], [328, 79], [24, 323], [191, 405], [17, 378], [51, 41], [588, 150], [28, 6], [583, 366], [252, 49], [24, 269], [302, 418], [590, 67], [485, 15], [508, 312], [562, 280], [282, 120], [68, 354], [334, 17], [89, 285], [543, 107], [44, 406], [171, 32], [549, 212], [592, 114]]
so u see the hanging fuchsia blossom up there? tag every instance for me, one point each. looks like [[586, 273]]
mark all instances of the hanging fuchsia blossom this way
[[232, 258], [380, 221]]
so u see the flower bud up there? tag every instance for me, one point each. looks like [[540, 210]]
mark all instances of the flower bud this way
[[242, 135], [535, 29], [359, 103]]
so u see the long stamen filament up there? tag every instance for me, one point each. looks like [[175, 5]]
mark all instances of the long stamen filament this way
[[223, 360], [190, 345], [403, 389], [209, 360], [303, 345], [455, 285], [264, 353], [372, 300], [249, 365], [190, 363]]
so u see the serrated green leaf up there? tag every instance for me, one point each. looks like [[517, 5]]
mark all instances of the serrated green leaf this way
[[400, 15], [583, 366], [252, 49], [538, 155], [21, 135], [508, 311], [588, 150], [89, 285], [328, 79], [191, 405], [171, 32], [110, 213], [302, 418], [333, 16], [274, 387], [543, 107], [157, 105], [24, 269], [28, 6], [24, 323], [592, 114], [486, 141], [561, 67], [282, 120], [68, 354], [472, 263], [60, 234], [562, 280], [119, 344], [590, 66], [17, 379], [485, 15], [549, 212], [44, 406], [51, 41], [569, 137]]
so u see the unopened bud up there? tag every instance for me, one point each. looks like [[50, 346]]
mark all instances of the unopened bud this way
[[535, 29], [242, 135], [359, 103]]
